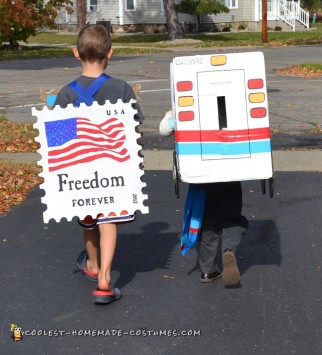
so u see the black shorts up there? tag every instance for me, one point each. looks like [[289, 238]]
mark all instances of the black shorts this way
[[90, 223]]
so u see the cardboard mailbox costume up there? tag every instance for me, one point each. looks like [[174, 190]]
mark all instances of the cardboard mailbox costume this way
[[221, 128], [90, 161], [221, 118]]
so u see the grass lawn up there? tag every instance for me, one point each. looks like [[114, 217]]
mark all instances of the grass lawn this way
[[147, 44]]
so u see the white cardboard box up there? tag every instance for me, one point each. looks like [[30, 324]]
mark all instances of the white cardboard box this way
[[221, 117]]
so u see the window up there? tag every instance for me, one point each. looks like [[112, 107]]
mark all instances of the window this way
[[92, 5], [231, 4], [130, 5], [162, 5]]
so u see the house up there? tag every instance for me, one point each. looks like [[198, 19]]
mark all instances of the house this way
[[149, 16], [248, 13]]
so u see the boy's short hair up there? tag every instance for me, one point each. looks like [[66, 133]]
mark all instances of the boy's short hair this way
[[93, 43]]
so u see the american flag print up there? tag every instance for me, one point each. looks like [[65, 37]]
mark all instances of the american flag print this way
[[77, 140]]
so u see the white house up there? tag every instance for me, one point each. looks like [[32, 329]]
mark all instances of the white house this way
[[287, 14], [138, 15]]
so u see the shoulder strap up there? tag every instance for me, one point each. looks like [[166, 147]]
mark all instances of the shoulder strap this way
[[87, 95]]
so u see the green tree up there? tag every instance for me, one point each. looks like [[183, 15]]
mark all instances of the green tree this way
[[201, 7], [311, 5], [19, 19]]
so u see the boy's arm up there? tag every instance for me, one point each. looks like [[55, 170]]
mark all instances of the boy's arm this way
[[139, 115], [59, 101], [167, 124], [64, 97]]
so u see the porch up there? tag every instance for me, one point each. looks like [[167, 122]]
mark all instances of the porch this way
[[289, 12]]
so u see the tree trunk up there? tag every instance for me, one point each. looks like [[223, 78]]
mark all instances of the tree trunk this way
[[173, 26], [198, 23], [81, 13]]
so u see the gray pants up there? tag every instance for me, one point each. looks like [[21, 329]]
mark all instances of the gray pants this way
[[223, 224], [214, 242]]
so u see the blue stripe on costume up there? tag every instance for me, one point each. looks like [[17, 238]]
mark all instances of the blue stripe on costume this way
[[224, 148]]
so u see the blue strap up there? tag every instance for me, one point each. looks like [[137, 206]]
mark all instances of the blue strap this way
[[87, 95], [193, 216]]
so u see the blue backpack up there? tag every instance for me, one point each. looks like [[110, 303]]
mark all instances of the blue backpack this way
[[84, 95]]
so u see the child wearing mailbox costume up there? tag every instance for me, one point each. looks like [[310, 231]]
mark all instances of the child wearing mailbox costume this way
[[100, 234], [212, 219]]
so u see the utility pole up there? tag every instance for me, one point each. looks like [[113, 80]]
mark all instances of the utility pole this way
[[264, 21]]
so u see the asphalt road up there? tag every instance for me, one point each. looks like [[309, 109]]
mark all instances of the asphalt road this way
[[277, 309], [294, 102]]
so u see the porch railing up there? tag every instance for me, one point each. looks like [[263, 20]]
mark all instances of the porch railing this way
[[290, 11], [285, 14]]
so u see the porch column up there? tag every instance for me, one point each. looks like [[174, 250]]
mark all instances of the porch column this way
[[121, 13], [257, 10]]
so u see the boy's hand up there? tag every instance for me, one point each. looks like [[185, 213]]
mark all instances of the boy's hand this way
[[167, 124]]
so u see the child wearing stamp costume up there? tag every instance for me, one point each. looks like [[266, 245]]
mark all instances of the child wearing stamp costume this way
[[213, 211], [94, 51]]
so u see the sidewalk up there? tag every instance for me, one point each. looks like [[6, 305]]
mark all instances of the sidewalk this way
[[283, 160]]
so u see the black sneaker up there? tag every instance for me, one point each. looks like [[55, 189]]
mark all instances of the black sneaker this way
[[206, 278]]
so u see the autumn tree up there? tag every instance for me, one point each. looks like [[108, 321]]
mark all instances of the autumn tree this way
[[201, 7], [173, 25], [19, 19]]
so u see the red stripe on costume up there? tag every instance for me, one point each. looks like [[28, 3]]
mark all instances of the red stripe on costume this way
[[194, 230], [223, 135]]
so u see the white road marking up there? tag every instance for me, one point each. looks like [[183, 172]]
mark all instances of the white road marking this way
[[158, 90]]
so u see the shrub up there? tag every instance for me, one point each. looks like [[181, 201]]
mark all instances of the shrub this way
[[243, 25]]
